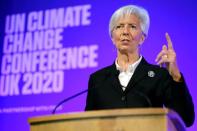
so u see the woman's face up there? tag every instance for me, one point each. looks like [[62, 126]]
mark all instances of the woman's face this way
[[127, 34]]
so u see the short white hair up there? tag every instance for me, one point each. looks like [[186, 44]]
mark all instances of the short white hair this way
[[140, 12]]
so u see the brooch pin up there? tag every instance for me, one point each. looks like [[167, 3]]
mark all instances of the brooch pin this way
[[151, 73]]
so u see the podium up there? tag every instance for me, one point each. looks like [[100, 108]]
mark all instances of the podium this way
[[142, 119]]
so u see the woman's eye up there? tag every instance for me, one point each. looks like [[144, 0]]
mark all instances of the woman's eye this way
[[119, 27], [133, 26]]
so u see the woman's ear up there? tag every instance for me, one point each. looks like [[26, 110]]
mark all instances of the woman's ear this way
[[112, 39], [142, 39]]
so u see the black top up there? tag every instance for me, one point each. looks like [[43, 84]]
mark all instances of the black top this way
[[150, 86]]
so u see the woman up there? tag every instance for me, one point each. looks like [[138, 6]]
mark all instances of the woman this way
[[131, 81]]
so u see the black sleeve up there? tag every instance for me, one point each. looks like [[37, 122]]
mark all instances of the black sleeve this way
[[178, 98], [90, 96]]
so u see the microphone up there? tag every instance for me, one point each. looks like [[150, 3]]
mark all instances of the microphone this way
[[145, 97], [67, 99]]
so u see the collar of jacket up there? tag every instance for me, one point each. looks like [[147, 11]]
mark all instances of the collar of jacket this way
[[140, 72]]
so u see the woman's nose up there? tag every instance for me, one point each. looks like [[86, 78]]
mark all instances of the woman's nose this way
[[126, 30]]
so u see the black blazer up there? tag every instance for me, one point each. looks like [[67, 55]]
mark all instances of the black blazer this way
[[150, 86]]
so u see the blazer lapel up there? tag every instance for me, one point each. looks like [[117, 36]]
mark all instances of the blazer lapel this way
[[140, 72], [114, 79]]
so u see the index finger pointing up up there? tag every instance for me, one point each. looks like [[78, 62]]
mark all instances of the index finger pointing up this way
[[170, 46]]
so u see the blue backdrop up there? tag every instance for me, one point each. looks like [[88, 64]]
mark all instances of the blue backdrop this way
[[48, 49]]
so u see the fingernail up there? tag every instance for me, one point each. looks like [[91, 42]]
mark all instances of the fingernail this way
[[166, 33]]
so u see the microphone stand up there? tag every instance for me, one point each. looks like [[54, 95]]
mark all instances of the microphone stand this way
[[67, 99]]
